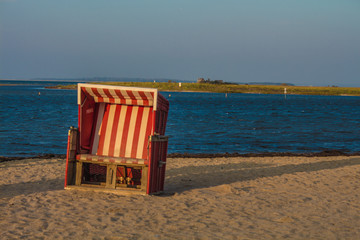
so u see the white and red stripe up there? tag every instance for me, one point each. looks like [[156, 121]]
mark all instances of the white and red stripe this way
[[122, 131], [119, 95]]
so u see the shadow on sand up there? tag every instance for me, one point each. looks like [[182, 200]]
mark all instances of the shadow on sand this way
[[194, 177], [12, 190]]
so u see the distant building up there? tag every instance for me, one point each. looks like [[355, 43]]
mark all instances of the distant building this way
[[200, 80]]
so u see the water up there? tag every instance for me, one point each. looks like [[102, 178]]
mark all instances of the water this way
[[248, 123], [31, 124], [198, 122]]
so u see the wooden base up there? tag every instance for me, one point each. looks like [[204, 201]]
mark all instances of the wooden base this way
[[111, 184], [122, 191]]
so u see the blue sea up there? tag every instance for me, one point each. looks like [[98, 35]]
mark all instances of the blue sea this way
[[33, 124]]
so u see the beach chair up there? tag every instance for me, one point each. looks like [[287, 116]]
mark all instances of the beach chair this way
[[119, 145]]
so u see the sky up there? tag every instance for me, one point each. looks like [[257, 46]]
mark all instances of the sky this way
[[303, 42]]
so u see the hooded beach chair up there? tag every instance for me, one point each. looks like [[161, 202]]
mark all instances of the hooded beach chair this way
[[119, 144]]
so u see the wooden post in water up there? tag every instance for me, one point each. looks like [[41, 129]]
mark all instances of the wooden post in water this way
[[285, 93]]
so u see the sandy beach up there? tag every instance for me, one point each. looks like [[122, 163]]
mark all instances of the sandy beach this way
[[205, 198]]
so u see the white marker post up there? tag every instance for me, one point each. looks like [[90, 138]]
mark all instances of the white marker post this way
[[285, 92]]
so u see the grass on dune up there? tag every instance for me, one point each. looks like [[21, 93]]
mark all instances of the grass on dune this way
[[234, 88]]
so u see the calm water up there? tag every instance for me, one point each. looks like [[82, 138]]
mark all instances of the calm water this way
[[198, 122]]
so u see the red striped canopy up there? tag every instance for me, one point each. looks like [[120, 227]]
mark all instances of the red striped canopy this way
[[117, 121], [119, 95]]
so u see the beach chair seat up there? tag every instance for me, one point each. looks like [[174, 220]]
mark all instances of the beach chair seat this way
[[120, 142], [111, 160], [126, 168]]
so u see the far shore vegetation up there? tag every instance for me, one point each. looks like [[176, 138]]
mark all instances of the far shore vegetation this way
[[234, 88]]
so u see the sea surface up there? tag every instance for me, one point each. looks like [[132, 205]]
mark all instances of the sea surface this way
[[33, 124]]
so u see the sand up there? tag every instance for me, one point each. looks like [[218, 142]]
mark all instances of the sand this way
[[221, 198]]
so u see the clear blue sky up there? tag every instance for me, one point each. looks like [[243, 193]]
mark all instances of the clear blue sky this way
[[305, 42]]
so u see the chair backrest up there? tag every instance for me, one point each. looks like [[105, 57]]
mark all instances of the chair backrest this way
[[121, 130]]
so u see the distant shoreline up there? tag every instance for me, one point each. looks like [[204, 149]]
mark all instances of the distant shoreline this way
[[223, 88], [233, 88]]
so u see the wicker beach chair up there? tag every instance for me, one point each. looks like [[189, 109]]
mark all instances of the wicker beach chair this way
[[119, 145]]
